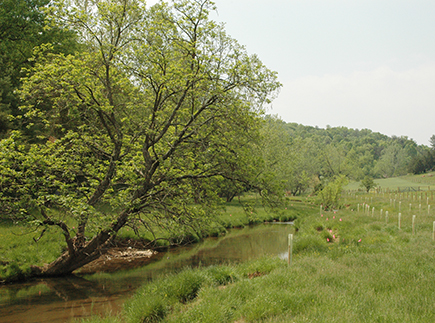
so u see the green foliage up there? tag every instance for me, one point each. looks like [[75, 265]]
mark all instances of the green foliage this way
[[310, 243], [262, 266], [290, 161], [330, 195], [157, 119], [18, 239], [301, 157], [24, 25], [393, 161], [368, 183], [222, 275], [423, 162], [140, 128], [96, 319]]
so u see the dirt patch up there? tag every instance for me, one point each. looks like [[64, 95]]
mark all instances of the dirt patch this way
[[118, 258], [255, 274]]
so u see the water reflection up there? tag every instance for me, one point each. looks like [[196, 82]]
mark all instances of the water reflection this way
[[61, 299]]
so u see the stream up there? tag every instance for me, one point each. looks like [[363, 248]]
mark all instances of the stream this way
[[65, 298]]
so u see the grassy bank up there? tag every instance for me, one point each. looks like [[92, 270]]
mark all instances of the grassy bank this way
[[19, 250], [348, 266], [21, 246]]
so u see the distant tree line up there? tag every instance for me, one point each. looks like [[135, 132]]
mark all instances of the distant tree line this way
[[425, 160], [304, 157]]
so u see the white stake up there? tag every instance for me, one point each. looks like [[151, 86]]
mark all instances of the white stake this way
[[386, 216], [290, 248], [400, 215], [413, 224]]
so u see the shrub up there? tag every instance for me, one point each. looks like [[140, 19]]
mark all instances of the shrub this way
[[330, 195]]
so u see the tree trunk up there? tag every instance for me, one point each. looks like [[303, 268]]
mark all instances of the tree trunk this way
[[68, 262], [82, 255]]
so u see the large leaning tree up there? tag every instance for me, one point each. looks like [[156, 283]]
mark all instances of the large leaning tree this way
[[139, 128]]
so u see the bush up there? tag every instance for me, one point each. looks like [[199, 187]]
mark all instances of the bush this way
[[330, 195], [368, 183]]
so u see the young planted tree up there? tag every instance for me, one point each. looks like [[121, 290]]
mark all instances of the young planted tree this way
[[368, 183], [136, 128], [330, 195]]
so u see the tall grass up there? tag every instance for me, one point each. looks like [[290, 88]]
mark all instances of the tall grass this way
[[368, 271], [19, 250]]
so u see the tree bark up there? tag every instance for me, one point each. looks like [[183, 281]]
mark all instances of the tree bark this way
[[83, 254]]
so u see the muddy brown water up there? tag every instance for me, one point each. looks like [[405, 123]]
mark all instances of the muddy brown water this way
[[78, 296]]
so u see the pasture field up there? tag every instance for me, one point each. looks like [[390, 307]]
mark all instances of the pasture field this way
[[351, 265], [403, 182]]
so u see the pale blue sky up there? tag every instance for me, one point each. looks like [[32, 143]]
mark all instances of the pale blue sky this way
[[360, 64]]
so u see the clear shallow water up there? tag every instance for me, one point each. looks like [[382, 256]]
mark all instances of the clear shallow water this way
[[62, 299]]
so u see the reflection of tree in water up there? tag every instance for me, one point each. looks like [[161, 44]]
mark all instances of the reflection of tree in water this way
[[269, 240], [57, 300], [99, 293], [48, 290], [74, 287]]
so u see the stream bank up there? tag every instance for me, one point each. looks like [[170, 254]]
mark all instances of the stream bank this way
[[64, 298]]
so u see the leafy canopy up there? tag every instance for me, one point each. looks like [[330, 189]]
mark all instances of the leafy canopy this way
[[24, 25], [161, 104]]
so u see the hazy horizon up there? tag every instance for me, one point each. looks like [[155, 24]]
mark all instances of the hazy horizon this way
[[359, 64]]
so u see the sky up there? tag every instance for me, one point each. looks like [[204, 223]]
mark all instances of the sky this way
[[361, 64]]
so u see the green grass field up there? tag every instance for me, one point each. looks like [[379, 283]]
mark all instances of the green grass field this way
[[351, 265], [347, 266], [19, 250], [402, 182]]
